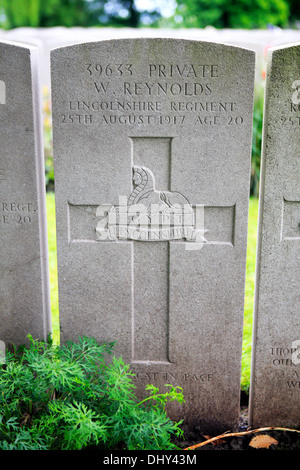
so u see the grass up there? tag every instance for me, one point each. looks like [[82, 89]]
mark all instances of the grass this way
[[50, 201], [249, 293]]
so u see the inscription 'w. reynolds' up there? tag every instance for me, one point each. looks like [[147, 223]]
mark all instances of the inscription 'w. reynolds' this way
[[157, 72]]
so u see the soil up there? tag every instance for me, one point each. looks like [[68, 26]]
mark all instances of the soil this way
[[286, 440]]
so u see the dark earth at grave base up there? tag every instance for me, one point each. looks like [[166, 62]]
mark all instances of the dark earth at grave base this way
[[286, 440]]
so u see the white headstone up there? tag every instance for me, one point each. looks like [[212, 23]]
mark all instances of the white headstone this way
[[24, 280], [152, 144], [275, 376]]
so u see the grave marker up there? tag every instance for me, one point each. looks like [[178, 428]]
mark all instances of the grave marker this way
[[152, 144], [24, 284], [275, 376]]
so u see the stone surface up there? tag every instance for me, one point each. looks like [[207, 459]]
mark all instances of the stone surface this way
[[275, 377], [152, 145], [24, 284]]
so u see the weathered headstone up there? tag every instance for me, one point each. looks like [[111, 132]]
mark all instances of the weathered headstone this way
[[152, 138], [24, 280], [275, 377]]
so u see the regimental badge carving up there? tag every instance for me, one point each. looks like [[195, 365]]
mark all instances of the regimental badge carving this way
[[149, 214], [146, 193]]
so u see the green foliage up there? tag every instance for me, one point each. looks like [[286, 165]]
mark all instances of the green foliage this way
[[161, 399], [233, 13], [249, 294], [25, 12], [78, 396], [294, 11], [48, 144], [189, 13]]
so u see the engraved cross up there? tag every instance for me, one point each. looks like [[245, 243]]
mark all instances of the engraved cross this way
[[150, 218]]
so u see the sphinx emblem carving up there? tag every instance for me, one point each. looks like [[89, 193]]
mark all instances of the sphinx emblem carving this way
[[149, 214], [146, 193]]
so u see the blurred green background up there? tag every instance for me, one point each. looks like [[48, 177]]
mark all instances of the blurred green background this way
[[152, 13]]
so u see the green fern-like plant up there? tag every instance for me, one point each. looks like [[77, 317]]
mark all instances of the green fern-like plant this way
[[77, 396]]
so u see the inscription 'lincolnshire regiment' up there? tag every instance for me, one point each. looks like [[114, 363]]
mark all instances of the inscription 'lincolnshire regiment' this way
[[165, 113], [192, 106]]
